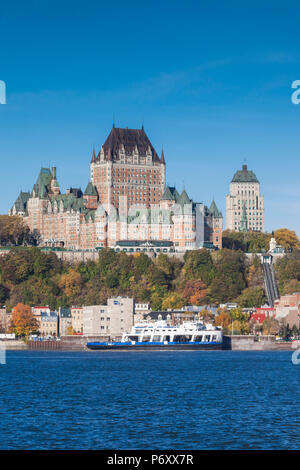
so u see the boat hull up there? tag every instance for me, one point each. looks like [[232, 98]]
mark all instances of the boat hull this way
[[155, 347]]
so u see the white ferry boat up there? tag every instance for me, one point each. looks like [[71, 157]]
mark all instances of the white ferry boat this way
[[160, 335]]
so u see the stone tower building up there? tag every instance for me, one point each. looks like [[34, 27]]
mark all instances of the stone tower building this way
[[127, 171], [245, 192]]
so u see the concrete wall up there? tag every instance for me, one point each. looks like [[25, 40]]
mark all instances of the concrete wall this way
[[13, 344], [255, 343]]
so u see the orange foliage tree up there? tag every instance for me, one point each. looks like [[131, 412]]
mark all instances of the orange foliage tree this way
[[194, 292], [23, 322]]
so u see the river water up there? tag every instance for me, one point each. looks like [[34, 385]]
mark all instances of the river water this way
[[149, 400]]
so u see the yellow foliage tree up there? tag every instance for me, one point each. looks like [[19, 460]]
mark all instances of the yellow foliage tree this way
[[172, 301], [206, 315], [270, 326], [287, 238], [70, 330], [223, 320], [240, 327], [71, 283]]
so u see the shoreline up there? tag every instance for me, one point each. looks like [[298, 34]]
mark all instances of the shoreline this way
[[235, 344]]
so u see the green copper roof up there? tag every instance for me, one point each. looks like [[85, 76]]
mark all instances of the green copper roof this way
[[214, 211], [244, 176], [21, 202], [183, 198], [170, 194], [167, 195], [42, 186], [174, 192], [90, 190]]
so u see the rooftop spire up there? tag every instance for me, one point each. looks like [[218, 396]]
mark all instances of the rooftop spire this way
[[93, 156], [162, 157]]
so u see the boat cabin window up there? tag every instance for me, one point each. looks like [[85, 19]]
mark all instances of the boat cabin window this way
[[166, 338], [207, 338], [198, 338], [214, 338], [146, 339], [182, 338], [157, 338], [133, 338]]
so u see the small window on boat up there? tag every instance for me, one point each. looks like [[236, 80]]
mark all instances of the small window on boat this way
[[198, 338], [157, 338], [133, 338], [207, 338], [214, 337], [146, 339]]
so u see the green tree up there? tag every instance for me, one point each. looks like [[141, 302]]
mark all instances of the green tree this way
[[251, 297], [198, 265]]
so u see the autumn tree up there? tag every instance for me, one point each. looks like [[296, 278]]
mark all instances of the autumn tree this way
[[23, 322], [223, 319], [240, 321], [71, 283], [270, 326], [287, 238], [206, 315], [70, 330], [289, 287], [194, 292], [173, 301], [13, 231]]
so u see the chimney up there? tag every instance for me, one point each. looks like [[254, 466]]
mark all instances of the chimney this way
[[244, 168]]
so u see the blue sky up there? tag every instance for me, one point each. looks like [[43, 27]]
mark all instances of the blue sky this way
[[211, 81]]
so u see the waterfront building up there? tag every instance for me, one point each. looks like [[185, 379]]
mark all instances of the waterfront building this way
[[141, 311], [125, 201], [110, 320], [77, 319], [287, 309], [48, 324], [38, 311], [64, 321], [5, 320], [244, 203]]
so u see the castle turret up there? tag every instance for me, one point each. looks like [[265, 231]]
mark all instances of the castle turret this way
[[54, 184], [91, 196]]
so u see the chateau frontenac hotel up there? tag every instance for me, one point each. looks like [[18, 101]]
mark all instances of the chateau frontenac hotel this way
[[126, 205]]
